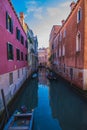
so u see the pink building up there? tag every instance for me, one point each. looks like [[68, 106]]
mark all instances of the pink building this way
[[13, 49]]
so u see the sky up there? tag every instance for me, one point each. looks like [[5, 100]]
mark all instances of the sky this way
[[41, 15]]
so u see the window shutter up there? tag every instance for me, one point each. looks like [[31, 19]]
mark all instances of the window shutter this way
[[12, 53], [11, 26], [26, 43], [7, 51], [16, 32], [6, 19], [19, 35], [19, 54]]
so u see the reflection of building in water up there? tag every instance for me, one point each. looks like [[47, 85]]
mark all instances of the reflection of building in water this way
[[42, 77], [29, 96], [53, 94], [60, 106], [66, 108], [33, 96]]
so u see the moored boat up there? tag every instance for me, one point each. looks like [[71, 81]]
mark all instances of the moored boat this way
[[34, 75], [51, 75], [20, 121]]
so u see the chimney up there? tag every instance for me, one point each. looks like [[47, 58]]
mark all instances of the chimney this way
[[22, 18], [63, 21], [72, 5]]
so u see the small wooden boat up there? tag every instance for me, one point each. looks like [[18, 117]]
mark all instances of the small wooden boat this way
[[34, 75], [51, 75], [20, 121]]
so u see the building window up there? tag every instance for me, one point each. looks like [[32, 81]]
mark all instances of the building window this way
[[18, 54], [22, 39], [9, 51], [63, 50], [18, 34], [9, 23], [78, 42], [79, 15], [10, 78], [71, 73], [26, 44], [64, 33], [22, 58], [26, 58]]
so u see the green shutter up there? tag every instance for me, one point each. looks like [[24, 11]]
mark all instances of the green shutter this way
[[16, 32], [11, 26], [19, 35], [7, 51], [6, 19]]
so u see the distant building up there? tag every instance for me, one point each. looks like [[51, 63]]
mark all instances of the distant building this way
[[53, 50], [13, 50], [42, 57], [68, 46], [32, 46]]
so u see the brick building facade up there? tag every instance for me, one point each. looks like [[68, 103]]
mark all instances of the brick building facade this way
[[71, 42]]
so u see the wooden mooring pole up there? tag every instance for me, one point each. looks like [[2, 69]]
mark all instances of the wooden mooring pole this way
[[4, 103]]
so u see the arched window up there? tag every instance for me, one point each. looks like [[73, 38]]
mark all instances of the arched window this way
[[78, 42], [79, 15]]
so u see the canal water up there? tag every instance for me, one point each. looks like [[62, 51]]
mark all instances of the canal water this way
[[56, 106]]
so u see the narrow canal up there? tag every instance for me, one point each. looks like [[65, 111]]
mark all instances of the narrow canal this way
[[56, 106]]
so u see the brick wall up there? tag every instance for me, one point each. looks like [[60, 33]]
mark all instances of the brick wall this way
[[73, 64]]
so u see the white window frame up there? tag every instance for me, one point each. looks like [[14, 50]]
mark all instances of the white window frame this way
[[63, 50], [79, 11], [78, 42], [64, 33]]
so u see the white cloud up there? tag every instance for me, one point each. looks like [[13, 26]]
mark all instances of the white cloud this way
[[38, 13], [52, 11], [31, 3], [47, 18], [33, 8], [65, 4]]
